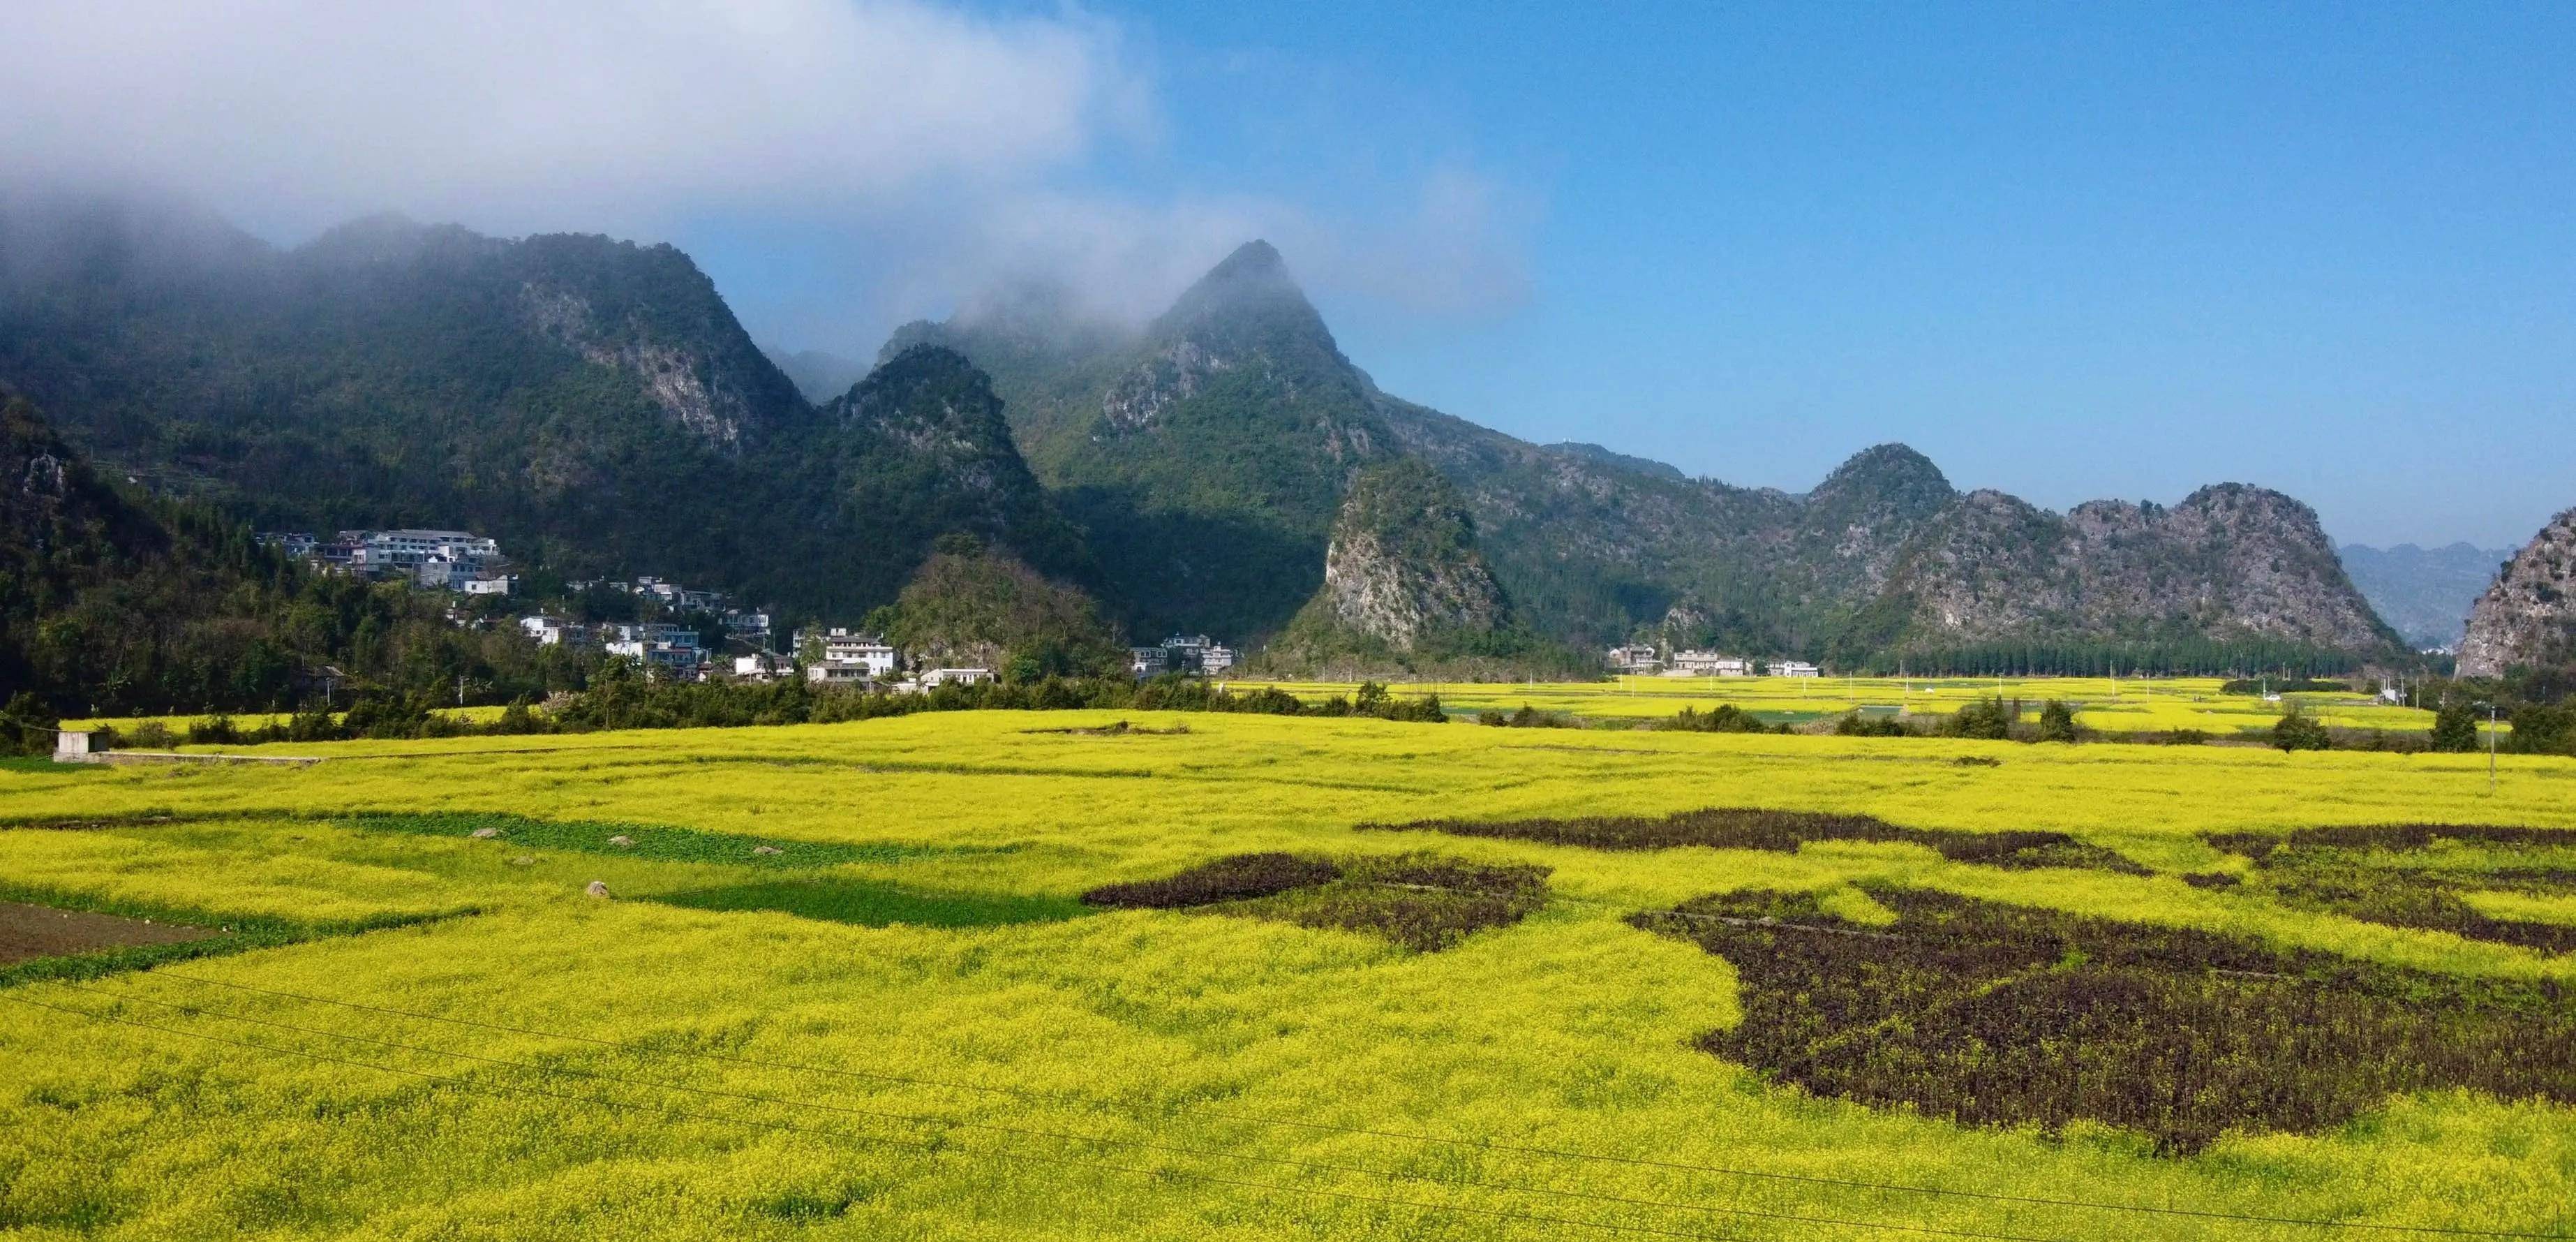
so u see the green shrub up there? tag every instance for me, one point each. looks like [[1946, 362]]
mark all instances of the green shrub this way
[[2297, 730], [2455, 728]]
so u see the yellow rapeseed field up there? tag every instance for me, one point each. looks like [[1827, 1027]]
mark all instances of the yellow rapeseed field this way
[[2111, 704], [505, 1056]]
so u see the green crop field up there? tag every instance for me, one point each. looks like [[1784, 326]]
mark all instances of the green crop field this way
[[1008, 975]]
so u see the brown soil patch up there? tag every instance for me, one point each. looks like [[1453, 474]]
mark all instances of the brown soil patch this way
[[29, 932]]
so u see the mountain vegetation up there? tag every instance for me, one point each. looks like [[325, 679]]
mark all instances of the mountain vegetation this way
[[2526, 620], [970, 606], [1405, 586], [1226, 430], [1206, 455], [590, 403], [594, 405], [113, 603]]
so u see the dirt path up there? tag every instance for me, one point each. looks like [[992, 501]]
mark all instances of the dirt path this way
[[41, 931]]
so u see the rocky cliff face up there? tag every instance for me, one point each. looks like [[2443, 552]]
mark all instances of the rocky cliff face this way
[[2229, 561], [1402, 565], [2527, 618]]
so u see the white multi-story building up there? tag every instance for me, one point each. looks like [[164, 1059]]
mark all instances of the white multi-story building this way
[[1215, 658], [1708, 664], [1639, 658], [556, 632], [500, 585], [1794, 668], [866, 651], [955, 676]]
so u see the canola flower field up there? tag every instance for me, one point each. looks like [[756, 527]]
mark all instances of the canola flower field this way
[[2109, 704], [843, 984], [480, 713]]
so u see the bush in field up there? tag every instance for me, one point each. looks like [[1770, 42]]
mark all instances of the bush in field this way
[[2298, 730], [1989, 718], [2057, 722], [215, 730], [2543, 730], [2455, 728], [1860, 724], [1527, 717], [1726, 718], [27, 726]]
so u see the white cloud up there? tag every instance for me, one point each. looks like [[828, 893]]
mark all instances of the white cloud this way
[[925, 152], [528, 111]]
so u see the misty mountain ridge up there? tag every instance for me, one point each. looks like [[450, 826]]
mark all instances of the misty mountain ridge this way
[[591, 403], [1595, 546], [595, 404]]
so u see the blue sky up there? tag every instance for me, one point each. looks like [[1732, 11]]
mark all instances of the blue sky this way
[[2066, 250]]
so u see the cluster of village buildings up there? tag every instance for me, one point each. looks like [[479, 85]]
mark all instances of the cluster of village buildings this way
[[470, 564], [446, 560], [1181, 653], [1644, 660]]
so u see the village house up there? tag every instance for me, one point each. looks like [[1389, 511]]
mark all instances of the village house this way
[[1215, 658], [1148, 661], [1794, 668], [830, 674], [1708, 664], [868, 652], [937, 677], [758, 666], [672, 649], [556, 632], [1639, 658]]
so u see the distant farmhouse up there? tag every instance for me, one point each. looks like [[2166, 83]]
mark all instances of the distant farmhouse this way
[[1192, 653], [1708, 664], [1640, 658], [1793, 668]]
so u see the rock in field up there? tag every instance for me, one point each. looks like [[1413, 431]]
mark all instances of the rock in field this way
[[486, 834], [598, 888], [621, 841], [766, 849]]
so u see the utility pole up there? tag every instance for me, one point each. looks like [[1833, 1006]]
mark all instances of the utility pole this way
[[2491, 748]]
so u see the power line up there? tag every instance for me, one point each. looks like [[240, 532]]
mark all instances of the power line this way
[[1407, 1136], [1027, 1132]]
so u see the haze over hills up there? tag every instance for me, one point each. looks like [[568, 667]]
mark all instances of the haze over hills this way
[[1224, 428], [2426, 593], [594, 404]]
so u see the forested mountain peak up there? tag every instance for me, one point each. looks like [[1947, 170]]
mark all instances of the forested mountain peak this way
[[1891, 474]]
